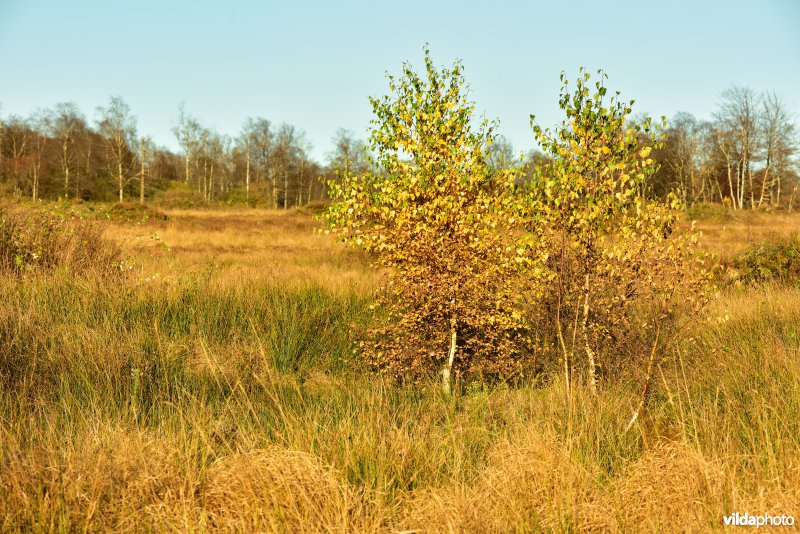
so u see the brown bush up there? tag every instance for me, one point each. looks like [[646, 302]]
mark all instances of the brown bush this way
[[32, 240], [182, 198]]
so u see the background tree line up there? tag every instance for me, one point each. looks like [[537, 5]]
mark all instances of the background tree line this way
[[58, 153], [745, 157]]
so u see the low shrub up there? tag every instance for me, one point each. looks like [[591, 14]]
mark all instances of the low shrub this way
[[44, 240], [710, 213], [316, 206], [134, 212], [240, 197], [180, 197], [777, 261]]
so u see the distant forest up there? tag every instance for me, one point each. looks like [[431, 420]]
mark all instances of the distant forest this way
[[746, 157]]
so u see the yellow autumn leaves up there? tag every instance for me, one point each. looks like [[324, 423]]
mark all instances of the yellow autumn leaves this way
[[473, 257]]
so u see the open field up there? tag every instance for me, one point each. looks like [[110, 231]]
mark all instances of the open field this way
[[215, 387]]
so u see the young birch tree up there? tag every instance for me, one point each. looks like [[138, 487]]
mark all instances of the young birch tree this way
[[618, 262], [443, 223]]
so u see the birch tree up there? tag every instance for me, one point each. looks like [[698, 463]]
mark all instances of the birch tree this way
[[616, 262], [738, 120], [66, 123], [187, 131], [779, 135], [38, 125], [118, 128], [259, 141], [146, 154], [443, 224]]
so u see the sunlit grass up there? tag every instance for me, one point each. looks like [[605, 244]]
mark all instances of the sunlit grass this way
[[216, 388]]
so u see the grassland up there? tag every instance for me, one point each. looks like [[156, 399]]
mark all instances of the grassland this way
[[215, 387]]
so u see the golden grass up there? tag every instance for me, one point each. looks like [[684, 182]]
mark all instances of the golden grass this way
[[742, 229], [272, 247], [223, 396], [280, 490]]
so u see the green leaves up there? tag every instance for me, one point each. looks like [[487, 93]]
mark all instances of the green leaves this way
[[615, 257], [446, 227]]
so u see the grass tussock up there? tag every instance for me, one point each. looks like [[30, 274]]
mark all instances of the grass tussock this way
[[229, 398], [288, 491]]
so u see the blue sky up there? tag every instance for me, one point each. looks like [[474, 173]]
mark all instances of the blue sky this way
[[313, 64]]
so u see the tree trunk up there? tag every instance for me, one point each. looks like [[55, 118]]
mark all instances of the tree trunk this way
[[764, 182], [35, 185], [448, 369], [285, 189], [647, 380], [119, 174], [247, 174], [589, 352], [141, 177], [66, 170], [186, 178], [300, 183], [274, 189], [211, 182]]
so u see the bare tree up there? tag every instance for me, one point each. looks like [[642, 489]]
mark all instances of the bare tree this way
[[500, 154], [66, 123], [349, 153], [243, 144], [146, 154], [779, 144], [738, 117], [225, 162], [18, 135], [188, 133], [289, 158], [212, 155], [37, 125], [683, 145], [118, 128], [259, 141], [304, 177]]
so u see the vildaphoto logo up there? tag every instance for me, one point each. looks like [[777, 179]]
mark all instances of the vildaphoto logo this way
[[763, 520]]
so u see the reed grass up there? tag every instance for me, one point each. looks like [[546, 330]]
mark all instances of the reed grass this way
[[229, 398]]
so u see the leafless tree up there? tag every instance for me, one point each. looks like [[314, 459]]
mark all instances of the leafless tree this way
[[66, 123], [779, 142], [738, 119], [188, 132], [259, 141], [500, 154], [118, 128]]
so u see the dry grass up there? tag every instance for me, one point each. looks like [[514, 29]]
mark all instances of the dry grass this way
[[40, 240], [287, 490], [222, 395], [739, 230], [271, 247]]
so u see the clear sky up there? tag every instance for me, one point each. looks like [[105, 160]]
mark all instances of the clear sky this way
[[313, 64]]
